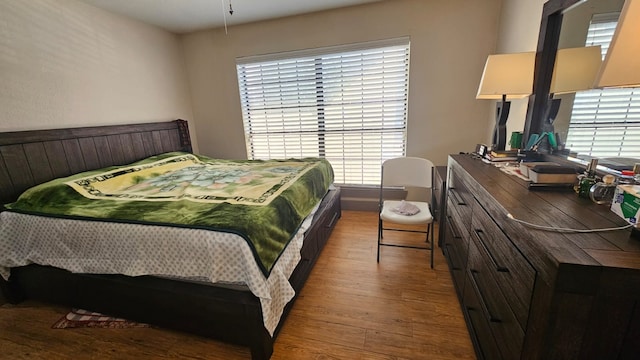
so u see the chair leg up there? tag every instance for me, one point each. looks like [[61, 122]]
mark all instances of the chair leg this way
[[430, 232], [379, 237]]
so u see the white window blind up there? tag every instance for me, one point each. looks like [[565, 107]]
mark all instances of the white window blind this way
[[606, 122], [347, 104]]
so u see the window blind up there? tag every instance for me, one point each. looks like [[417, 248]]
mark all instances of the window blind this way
[[347, 104], [605, 122]]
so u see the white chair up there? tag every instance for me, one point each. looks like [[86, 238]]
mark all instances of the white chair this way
[[406, 172]]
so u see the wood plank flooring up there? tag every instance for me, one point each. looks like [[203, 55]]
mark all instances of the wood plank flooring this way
[[350, 308]]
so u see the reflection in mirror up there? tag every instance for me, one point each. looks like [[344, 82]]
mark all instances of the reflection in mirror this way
[[575, 70], [601, 123]]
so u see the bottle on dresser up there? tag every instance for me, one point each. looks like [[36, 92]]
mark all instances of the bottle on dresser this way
[[587, 180], [602, 192]]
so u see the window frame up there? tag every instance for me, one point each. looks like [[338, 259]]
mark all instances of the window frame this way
[[324, 120]]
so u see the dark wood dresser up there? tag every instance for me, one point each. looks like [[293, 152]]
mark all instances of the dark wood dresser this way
[[536, 294]]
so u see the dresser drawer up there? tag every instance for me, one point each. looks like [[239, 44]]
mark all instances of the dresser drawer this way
[[508, 266], [495, 308], [460, 228], [459, 195], [479, 329], [455, 244], [452, 249]]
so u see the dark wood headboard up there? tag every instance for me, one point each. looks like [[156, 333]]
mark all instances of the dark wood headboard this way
[[28, 158]]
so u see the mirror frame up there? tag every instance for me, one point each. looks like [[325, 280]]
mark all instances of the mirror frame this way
[[548, 38]]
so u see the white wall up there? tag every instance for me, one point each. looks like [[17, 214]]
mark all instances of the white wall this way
[[450, 40], [64, 63], [518, 32]]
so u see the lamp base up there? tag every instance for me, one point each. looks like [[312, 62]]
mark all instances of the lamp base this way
[[500, 131], [550, 113]]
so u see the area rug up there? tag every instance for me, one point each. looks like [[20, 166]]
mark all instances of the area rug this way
[[78, 318]]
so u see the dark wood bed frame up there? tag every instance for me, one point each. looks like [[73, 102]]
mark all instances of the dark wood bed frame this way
[[28, 158]]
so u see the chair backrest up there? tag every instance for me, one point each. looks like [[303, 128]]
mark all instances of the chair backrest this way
[[407, 171]]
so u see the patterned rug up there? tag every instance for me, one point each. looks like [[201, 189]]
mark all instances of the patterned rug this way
[[78, 318]]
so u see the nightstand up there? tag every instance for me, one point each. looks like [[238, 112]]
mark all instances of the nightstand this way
[[439, 193]]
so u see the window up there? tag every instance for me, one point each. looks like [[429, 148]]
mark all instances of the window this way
[[605, 122], [347, 104]]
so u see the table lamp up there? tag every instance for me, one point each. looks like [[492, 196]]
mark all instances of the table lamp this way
[[621, 67], [506, 76], [575, 70]]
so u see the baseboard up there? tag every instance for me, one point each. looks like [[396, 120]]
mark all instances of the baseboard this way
[[359, 204], [366, 198]]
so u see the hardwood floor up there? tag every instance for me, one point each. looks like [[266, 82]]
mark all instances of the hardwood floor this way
[[350, 308]]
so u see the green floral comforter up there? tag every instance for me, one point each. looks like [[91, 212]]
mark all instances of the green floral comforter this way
[[265, 202]]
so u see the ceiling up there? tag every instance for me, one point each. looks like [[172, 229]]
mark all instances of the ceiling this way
[[184, 16]]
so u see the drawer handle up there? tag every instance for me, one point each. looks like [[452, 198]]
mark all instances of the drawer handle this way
[[479, 233], [483, 305], [456, 197], [452, 228], [333, 219], [453, 266]]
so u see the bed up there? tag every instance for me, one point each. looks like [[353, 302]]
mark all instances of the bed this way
[[229, 313]]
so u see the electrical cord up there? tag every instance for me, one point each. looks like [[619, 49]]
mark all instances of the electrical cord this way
[[550, 228]]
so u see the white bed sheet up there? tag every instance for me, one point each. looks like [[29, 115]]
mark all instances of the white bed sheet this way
[[98, 247]]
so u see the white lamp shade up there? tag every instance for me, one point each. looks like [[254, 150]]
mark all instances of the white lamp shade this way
[[621, 67], [507, 74], [575, 69]]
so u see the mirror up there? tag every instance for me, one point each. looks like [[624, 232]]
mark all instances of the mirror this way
[[564, 24], [550, 25], [573, 34]]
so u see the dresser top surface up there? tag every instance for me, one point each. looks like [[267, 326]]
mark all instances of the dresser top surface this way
[[555, 208]]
